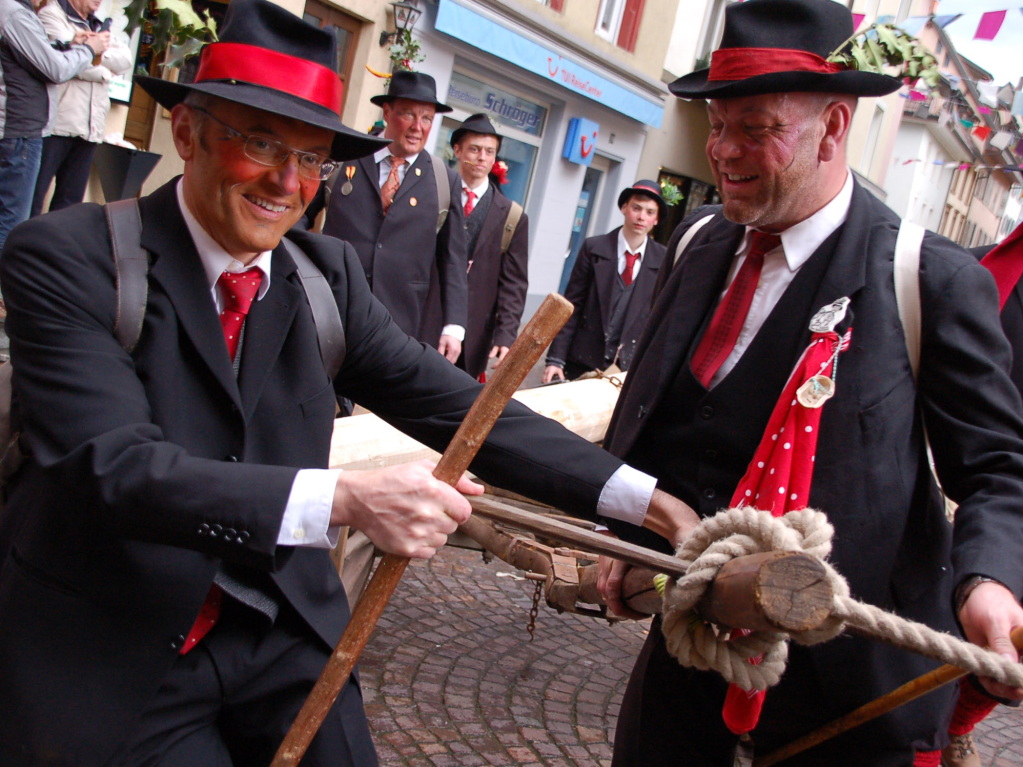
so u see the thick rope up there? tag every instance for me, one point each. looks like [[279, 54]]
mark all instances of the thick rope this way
[[743, 531]]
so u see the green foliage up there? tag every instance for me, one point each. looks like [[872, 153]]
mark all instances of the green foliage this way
[[671, 193], [174, 25], [882, 48], [406, 52]]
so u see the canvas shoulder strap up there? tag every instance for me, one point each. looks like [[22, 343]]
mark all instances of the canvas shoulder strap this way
[[907, 288], [132, 265], [330, 331], [511, 223], [440, 175], [687, 238]]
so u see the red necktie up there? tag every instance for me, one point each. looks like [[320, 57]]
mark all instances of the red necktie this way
[[390, 187], [630, 267], [719, 338], [239, 290], [470, 201]]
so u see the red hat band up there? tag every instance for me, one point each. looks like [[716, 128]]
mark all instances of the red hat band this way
[[298, 77], [740, 63]]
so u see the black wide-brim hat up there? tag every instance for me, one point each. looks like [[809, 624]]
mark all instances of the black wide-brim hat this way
[[270, 59], [477, 123], [414, 86], [782, 46], [646, 188]]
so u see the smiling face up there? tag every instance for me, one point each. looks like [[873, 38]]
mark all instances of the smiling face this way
[[408, 125], [246, 207], [777, 157], [476, 154]]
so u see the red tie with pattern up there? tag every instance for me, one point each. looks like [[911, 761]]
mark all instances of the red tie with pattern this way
[[630, 267], [238, 290], [470, 201], [390, 187], [719, 338]]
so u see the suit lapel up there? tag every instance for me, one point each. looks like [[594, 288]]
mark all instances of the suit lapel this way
[[178, 270], [846, 272], [266, 327], [369, 166], [412, 179], [605, 272], [493, 224]]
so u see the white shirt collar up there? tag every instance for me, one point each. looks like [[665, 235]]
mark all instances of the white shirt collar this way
[[383, 154], [623, 246], [480, 190], [216, 260], [800, 241]]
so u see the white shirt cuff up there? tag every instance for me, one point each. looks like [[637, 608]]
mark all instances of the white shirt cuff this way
[[307, 516], [626, 495], [454, 330]]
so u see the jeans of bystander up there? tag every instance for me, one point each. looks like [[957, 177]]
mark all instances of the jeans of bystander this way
[[19, 166]]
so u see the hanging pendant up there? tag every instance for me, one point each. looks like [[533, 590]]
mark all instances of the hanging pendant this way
[[815, 392], [346, 188]]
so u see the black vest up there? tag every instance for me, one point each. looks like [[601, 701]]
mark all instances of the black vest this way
[[698, 443]]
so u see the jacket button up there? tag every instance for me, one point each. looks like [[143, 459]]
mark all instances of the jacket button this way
[[243, 536], [215, 530], [230, 535], [710, 453], [203, 529], [177, 642], [642, 411], [706, 412], [710, 493], [231, 459]]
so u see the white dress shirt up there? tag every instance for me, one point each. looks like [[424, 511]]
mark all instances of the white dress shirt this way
[[623, 246], [781, 265]]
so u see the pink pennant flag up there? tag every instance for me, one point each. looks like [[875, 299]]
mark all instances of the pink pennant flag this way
[[857, 20], [917, 96], [989, 25], [984, 110], [981, 132]]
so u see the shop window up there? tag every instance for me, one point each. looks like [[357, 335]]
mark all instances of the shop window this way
[[713, 26], [520, 122], [695, 194]]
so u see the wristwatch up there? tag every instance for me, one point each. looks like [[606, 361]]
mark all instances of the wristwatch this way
[[966, 588]]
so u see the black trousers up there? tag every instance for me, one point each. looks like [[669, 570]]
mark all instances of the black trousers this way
[[230, 701], [69, 159], [671, 717]]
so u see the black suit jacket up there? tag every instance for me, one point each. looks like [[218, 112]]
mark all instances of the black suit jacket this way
[[402, 251], [892, 541], [497, 286], [590, 289], [107, 546]]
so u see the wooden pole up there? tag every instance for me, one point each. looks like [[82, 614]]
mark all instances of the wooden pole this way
[[525, 352], [911, 690]]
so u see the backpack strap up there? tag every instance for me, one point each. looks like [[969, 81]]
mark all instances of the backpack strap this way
[[511, 223], [689, 235], [329, 330], [906, 273], [132, 266], [440, 175]]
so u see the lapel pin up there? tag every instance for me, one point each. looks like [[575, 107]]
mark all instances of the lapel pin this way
[[413, 201], [419, 171]]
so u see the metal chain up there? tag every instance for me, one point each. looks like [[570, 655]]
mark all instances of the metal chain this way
[[534, 611]]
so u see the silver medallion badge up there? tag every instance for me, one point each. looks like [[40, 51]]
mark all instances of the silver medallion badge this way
[[827, 319]]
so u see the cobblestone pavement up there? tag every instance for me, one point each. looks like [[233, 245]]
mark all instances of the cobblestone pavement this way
[[451, 679]]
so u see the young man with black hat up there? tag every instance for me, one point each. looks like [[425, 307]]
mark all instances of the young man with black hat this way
[[798, 239], [611, 287], [399, 209], [498, 261], [166, 591]]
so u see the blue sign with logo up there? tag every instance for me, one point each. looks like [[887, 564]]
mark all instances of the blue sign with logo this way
[[581, 140]]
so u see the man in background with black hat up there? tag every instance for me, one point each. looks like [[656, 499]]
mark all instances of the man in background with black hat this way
[[166, 592], [798, 239], [611, 287], [497, 239], [399, 209]]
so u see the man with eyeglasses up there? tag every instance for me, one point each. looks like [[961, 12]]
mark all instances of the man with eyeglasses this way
[[390, 208], [166, 592]]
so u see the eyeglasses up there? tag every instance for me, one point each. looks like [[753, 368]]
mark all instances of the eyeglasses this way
[[268, 151]]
